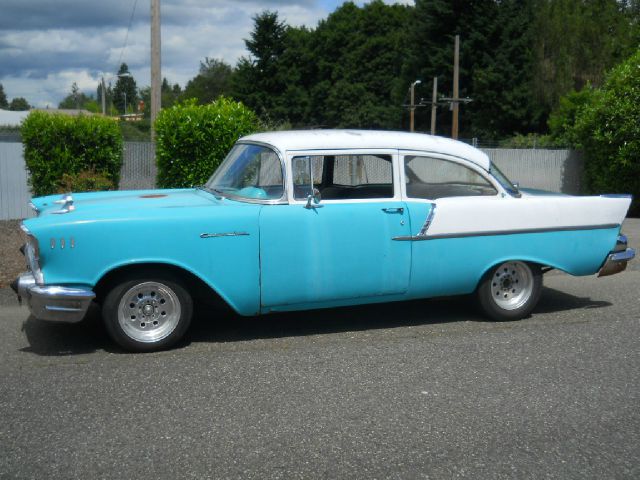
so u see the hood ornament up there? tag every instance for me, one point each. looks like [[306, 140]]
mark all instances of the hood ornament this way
[[67, 204]]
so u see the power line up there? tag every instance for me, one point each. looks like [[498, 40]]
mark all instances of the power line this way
[[126, 38]]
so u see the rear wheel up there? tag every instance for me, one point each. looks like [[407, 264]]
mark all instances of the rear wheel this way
[[510, 291], [147, 313]]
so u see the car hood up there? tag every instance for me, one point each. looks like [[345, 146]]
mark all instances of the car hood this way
[[123, 202]]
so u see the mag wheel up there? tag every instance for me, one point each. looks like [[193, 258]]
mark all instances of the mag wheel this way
[[510, 290], [146, 314]]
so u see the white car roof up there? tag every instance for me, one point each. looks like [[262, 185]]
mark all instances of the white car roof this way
[[287, 141]]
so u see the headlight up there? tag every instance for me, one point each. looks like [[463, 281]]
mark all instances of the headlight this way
[[32, 254]]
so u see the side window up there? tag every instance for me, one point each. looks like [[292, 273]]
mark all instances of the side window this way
[[306, 170], [433, 178], [343, 177]]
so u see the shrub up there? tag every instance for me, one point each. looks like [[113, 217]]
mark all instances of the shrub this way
[[562, 121], [530, 140], [57, 144], [85, 181], [192, 140], [608, 129]]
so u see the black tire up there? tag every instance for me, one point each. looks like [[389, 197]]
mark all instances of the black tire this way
[[147, 312], [510, 291]]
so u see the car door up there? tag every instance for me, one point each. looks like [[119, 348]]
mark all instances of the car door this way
[[340, 250], [452, 204]]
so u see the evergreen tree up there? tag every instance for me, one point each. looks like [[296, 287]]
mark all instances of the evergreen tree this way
[[258, 82], [125, 91], [576, 42], [19, 104], [359, 53], [501, 79], [4, 104], [213, 80]]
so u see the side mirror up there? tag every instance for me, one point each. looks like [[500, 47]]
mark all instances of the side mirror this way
[[314, 200]]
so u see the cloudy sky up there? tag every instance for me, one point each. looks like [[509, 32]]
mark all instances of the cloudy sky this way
[[46, 45]]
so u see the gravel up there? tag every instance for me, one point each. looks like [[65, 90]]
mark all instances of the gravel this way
[[11, 260]]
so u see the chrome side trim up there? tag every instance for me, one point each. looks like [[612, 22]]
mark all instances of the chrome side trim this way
[[506, 232], [427, 222], [225, 234]]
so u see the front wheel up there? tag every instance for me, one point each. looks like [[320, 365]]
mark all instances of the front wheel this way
[[144, 314], [510, 291]]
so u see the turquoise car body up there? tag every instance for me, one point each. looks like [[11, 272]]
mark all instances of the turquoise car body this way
[[262, 255]]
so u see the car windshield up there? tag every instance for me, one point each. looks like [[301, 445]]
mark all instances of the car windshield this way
[[507, 184], [252, 172]]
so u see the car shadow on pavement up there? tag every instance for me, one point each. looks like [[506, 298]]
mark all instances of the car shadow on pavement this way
[[214, 326], [209, 326], [60, 339], [552, 300]]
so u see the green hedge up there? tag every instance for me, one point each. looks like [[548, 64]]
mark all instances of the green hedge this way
[[56, 145], [608, 129], [192, 140]]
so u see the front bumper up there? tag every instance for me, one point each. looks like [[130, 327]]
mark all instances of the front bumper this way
[[617, 260], [53, 302]]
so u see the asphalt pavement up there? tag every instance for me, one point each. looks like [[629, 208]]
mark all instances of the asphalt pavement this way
[[424, 389]]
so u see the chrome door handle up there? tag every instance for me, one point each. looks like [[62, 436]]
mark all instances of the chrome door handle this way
[[393, 210]]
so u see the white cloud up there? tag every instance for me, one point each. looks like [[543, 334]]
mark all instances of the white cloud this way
[[43, 49]]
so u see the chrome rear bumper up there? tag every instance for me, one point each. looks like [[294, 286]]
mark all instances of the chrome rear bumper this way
[[52, 302], [617, 260]]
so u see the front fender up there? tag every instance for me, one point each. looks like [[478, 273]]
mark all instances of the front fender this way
[[83, 252]]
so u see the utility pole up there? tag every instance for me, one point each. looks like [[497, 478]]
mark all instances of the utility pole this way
[[412, 107], [104, 99], [155, 63], [456, 78], [434, 105]]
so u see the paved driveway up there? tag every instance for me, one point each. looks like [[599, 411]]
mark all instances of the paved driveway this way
[[414, 390]]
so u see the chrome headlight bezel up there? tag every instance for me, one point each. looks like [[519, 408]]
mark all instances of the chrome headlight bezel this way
[[32, 255]]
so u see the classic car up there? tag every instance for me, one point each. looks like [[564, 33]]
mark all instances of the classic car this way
[[313, 219]]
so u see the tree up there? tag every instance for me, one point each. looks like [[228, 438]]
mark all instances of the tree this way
[[125, 92], [213, 80], [170, 95], [75, 99], [258, 83], [500, 75], [19, 104], [359, 53], [577, 42], [562, 121], [4, 104]]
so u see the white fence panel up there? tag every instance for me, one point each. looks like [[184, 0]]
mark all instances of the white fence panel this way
[[14, 192], [553, 170]]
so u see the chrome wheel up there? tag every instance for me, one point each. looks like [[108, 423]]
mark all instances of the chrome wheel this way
[[149, 312], [512, 285]]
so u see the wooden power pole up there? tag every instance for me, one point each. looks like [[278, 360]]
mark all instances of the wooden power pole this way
[[155, 63], [412, 107], [456, 80], [434, 105]]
